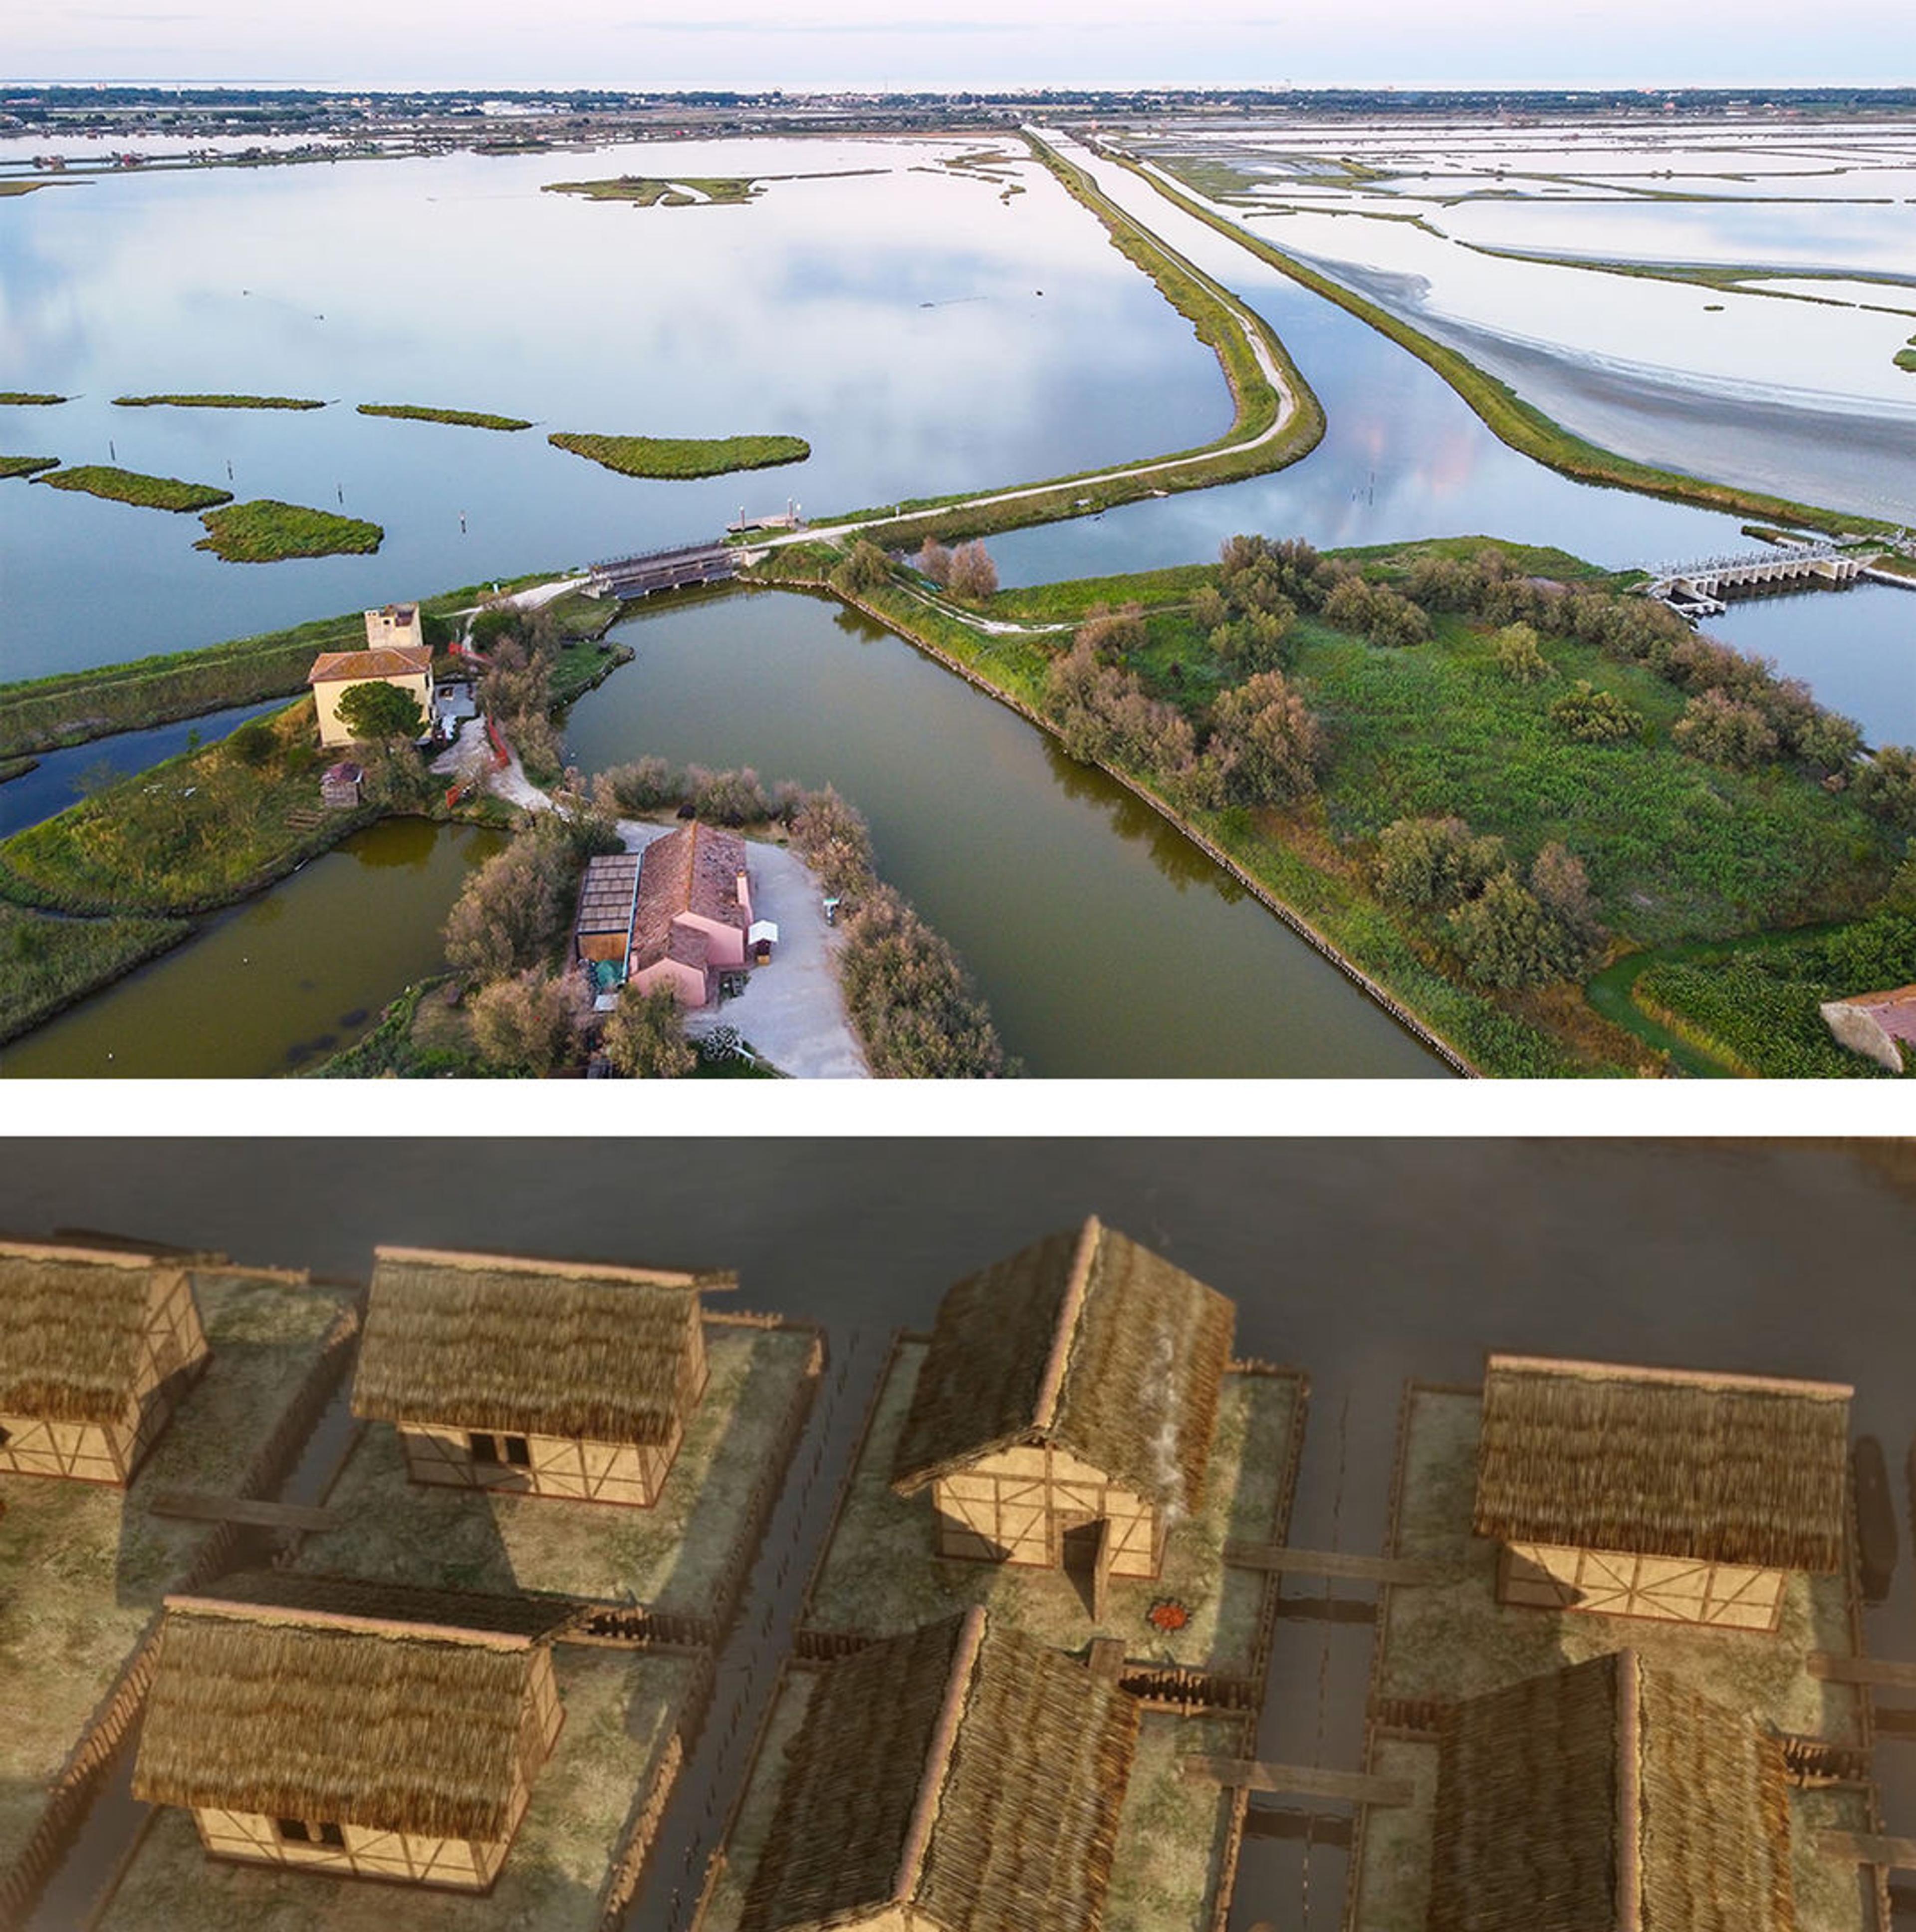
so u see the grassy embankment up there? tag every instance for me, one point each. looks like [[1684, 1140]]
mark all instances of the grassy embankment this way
[[130, 486], [27, 465], [47, 963], [681, 457], [218, 402], [28, 398], [647, 193], [1222, 323], [1678, 851], [269, 532], [16, 768], [1508, 417], [459, 418]]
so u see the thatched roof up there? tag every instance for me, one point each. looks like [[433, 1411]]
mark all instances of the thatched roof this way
[[71, 1320], [380, 1716], [491, 1342], [1663, 1462], [1086, 1342], [963, 1770], [1607, 1795]]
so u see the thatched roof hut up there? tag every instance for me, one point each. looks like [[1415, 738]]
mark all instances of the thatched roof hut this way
[[963, 1772], [1717, 1468], [1087, 1342], [1607, 1795], [558, 1349], [73, 1327], [377, 1707]]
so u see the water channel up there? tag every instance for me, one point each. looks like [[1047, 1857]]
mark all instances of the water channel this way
[[1103, 942]]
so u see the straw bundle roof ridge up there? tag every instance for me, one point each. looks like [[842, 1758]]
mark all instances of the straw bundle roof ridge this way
[[1709, 1468], [1026, 1807], [70, 1325], [1143, 1366], [1535, 1830], [561, 1354], [391, 1732], [263, 1593]]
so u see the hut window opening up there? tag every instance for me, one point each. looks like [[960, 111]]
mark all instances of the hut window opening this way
[[485, 1448], [309, 1832], [6, 1435], [518, 1451]]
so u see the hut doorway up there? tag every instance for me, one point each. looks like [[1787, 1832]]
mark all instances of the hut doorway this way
[[1085, 1556]]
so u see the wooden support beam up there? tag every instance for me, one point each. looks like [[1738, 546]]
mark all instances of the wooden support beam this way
[[1835, 1669], [199, 1507], [1897, 1724], [1301, 1780], [1862, 1848], [1333, 1563]]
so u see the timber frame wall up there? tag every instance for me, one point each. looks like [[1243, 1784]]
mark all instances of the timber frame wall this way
[[1616, 1583], [1018, 1505], [172, 1352]]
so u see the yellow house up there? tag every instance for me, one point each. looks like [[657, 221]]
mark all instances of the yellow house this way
[[396, 653], [97, 1345], [370, 1730], [552, 1378], [1678, 1494], [1063, 1413]]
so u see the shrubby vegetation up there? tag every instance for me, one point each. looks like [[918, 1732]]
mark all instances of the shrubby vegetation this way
[[532, 1024], [645, 1035], [1594, 717], [265, 531], [516, 909], [46, 964]]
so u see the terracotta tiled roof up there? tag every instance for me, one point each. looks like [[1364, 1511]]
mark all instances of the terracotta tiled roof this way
[[366, 666], [695, 869]]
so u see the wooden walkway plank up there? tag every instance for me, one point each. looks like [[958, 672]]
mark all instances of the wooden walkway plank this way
[[1300, 1780], [1338, 1563], [199, 1507], [1833, 1669], [1862, 1848]]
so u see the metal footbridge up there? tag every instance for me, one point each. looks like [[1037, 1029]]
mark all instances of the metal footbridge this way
[[629, 576], [1700, 590]]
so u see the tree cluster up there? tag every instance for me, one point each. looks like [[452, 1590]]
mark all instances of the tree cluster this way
[[645, 1035], [1594, 716], [515, 688], [1376, 612], [913, 1005]]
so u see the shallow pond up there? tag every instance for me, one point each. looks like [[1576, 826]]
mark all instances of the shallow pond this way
[[281, 981], [1105, 943]]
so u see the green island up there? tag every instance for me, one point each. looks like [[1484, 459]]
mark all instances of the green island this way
[[218, 402], [1502, 411], [706, 189], [459, 418], [28, 398], [27, 465], [682, 457], [269, 532], [130, 486], [1905, 359]]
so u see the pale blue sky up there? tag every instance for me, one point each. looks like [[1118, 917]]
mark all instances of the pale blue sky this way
[[812, 43]]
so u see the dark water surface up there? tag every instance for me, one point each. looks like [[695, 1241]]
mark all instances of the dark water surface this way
[[277, 983], [1362, 1261]]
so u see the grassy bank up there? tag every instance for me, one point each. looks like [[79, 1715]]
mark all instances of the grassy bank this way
[[1508, 417], [16, 768], [28, 398], [267, 532], [27, 465], [1222, 323], [682, 457], [218, 402], [129, 486], [459, 418], [194, 833], [47, 964]]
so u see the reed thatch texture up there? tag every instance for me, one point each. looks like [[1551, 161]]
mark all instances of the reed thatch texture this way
[[71, 1322], [1085, 1341], [319, 1594], [963, 1770], [469, 1342], [1605, 1795], [257, 1707], [1714, 1468]]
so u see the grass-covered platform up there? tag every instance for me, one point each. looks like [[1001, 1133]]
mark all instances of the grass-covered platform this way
[[1174, 1860], [880, 1575], [682, 457], [677, 1557], [28, 399], [459, 418], [1443, 1641], [86, 1565], [266, 531], [218, 402], [26, 466], [615, 1752], [131, 486], [681, 191]]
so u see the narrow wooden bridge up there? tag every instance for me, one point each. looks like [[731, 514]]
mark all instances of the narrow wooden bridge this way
[[1699, 589], [628, 577]]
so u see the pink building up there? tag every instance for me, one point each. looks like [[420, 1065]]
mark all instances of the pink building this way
[[693, 914]]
